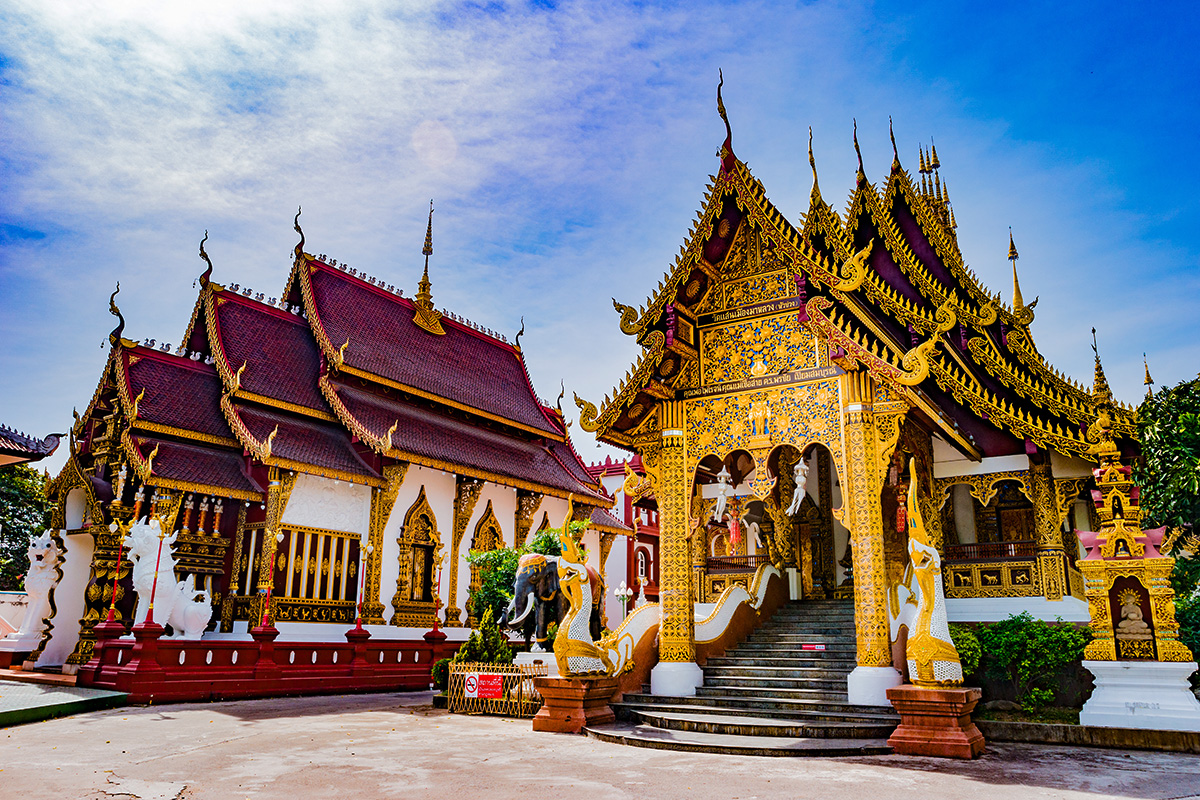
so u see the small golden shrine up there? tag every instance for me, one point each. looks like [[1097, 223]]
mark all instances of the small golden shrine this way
[[1127, 580]]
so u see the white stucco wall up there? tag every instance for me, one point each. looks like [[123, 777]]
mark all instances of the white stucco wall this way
[[318, 502]]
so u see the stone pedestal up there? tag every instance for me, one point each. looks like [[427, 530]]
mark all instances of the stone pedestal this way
[[547, 659], [568, 704], [936, 722], [1152, 695]]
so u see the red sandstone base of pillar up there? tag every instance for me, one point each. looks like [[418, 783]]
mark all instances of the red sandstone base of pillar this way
[[568, 704], [936, 722]]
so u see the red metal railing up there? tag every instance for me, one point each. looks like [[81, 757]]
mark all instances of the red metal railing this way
[[992, 551]]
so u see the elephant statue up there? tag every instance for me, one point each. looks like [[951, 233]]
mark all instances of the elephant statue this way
[[537, 601]]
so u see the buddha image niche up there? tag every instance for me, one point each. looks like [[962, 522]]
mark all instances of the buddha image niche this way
[[1132, 627]]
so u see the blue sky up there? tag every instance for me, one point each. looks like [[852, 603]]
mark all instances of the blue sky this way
[[567, 146]]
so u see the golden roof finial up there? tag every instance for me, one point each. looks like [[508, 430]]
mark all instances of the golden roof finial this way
[[1100, 388], [204, 276], [861, 172], [426, 316], [726, 152], [115, 336], [1018, 301], [895, 152], [299, 251], [924, 165], [812, 162], [933, 159], [1148, 382]]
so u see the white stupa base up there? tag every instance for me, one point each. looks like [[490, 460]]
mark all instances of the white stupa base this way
[[547, 658], [867, 686], [676, 678], [1151, 695]]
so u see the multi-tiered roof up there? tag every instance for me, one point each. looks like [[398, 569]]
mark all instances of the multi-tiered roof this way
[[338, 377], [885, 285]]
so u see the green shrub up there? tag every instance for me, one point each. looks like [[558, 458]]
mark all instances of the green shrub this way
[[968, 647], [1030, 654], [486, 645], [498, 569], [441, 674], [1187, 614]]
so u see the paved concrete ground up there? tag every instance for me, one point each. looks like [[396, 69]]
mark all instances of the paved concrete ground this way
[[377, 746], [28, 702]]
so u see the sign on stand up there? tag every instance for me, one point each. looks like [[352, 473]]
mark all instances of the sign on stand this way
[[485, 686], [494, 689]]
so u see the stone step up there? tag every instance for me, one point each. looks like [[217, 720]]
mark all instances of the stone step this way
[[766, 705], [774, 692], [763, 671], [751, 648], [795, 711], [816, 660], [735, 725], [835, 684], [689, 741]]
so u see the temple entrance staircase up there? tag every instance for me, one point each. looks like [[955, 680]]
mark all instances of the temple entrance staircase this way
[[776, 694]]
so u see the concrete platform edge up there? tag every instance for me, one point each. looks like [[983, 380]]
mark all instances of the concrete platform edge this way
[[1090, 736]]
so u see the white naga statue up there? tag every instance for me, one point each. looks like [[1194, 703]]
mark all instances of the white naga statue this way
[[45, 559], [574, 649], [177, 603], [919, 602], [723, 487], [800, 473]]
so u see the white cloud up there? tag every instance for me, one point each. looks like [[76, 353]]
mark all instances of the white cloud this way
[[566, 152]]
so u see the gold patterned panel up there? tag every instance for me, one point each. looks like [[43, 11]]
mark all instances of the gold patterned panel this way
[[983, 487], [760, 288], [797, 415], [992, 579], [754, 348], [675, 640]]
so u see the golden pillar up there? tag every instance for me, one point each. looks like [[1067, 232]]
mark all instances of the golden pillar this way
[[864, 478], [1051, 556], [279, 489], [675, 636]]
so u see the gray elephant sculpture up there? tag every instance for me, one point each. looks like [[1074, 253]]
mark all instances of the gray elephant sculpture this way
[[537, 601]]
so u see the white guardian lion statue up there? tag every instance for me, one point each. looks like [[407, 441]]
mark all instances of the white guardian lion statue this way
[[45, 560], [177, 603]]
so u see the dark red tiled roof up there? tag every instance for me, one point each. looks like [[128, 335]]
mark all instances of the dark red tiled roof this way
[[307, 441], [196, 464], [180, 392], [603, 518], [463, 366], [16, 444], [281, 356], [425, 433]]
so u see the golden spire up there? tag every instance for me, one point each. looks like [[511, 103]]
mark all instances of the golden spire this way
[[812, 162], [1018, 301], [1148, 382], [426, 316], [1100, 388], [862, 175], [933, 160], [895, 152]]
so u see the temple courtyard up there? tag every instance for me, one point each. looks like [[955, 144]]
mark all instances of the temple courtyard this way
[[398, 745]]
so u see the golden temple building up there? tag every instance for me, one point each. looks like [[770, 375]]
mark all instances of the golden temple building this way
[[789, 373]]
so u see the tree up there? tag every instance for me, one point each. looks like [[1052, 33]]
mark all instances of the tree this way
[[498, 569], [1169, 474], [22, 516]]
